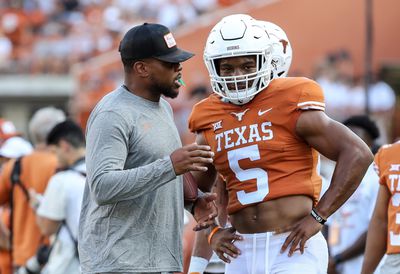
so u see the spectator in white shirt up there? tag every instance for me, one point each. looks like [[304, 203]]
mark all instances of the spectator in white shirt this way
[[348, 225], [382, 102], [59, 209]]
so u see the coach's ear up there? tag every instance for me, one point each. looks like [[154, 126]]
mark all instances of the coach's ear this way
[[141, 68]]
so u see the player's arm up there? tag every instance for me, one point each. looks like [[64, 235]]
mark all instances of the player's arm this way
[[339, 144], [377, 232], [353, 157], [222, 239], [202, 251], [203, 208]]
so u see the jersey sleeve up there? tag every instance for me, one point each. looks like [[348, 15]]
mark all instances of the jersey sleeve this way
[[193, 120], [199, 118], [377, 166], [311, 97]]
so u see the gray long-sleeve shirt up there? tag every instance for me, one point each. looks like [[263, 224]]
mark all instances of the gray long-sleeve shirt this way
[[132, 210]]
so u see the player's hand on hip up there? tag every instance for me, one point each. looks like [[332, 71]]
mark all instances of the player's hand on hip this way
[[300, 233], [205, 211], [192, 157]]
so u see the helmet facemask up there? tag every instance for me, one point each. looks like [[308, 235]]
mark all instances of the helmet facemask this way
[[240, 89]]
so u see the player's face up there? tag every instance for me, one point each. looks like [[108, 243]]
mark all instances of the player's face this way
[[236, 67], [164, 78]]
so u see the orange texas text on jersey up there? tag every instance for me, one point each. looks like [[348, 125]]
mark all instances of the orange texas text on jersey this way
[[387, 163], [256, 146]]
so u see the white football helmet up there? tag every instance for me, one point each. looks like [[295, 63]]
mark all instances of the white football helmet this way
[[239, 35], [282, 51]]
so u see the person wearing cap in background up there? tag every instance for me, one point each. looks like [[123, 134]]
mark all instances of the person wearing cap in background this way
[[12, 146], [132, 212], [36, 169], [15, 147], [7, 130]]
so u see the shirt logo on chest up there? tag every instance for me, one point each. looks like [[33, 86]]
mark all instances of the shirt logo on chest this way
[[240, 115], [217, 125], [260, 113]]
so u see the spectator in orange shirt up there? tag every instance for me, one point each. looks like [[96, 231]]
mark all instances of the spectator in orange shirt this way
[[11, 147], [36, 170]]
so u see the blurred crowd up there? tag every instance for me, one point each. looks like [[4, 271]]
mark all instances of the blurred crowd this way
[[48, 36], [345, 93]]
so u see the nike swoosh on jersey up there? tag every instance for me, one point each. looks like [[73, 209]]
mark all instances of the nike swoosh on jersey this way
[[260, 113]]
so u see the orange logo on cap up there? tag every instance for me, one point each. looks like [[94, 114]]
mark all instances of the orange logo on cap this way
[[169, 39]]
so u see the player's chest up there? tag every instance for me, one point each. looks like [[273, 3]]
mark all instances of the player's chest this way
[[267, 126]]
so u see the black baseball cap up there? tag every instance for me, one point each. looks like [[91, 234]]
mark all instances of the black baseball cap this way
[[152, 41]]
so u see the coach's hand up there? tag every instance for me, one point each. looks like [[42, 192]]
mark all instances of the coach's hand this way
[[192, 157], [222, 242], [300, 233], [205, 211]]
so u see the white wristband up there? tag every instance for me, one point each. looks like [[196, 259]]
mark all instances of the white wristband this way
[[197, 265]]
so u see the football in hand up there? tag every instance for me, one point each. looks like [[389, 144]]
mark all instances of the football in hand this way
[[189, 187]]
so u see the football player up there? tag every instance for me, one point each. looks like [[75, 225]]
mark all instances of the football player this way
[[265, 136], [384, 229], [203, 259]]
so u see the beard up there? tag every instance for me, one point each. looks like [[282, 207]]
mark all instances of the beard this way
[[166, 90]]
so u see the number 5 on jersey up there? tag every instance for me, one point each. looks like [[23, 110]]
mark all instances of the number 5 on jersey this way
[[252, 152]]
